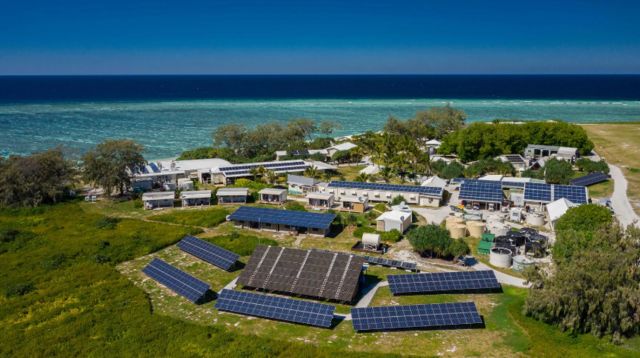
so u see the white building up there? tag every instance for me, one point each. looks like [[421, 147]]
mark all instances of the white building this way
[[195, 198], [390, 220], [415, 195], [232, 195], [300, 185], [341, 147], [319, 200], [273, 195], [556, 209], [158, 200]]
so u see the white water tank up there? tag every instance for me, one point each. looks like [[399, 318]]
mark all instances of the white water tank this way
[[521, 262], [500, 257], [534, 219]]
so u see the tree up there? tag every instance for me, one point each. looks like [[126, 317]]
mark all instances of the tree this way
[[443, 120], [108, 165], [557, 171], [575, 231], [430, 239], [452, 170], [363, 177], [35, 179], [590, 166], [302, 127], [457, 248], [327, 127], [312, 172]]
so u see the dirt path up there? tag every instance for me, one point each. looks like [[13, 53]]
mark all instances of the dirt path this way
[[620, 200]]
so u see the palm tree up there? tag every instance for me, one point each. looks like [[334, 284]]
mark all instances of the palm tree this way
[[363, 177], [312, 172], [270, 176]]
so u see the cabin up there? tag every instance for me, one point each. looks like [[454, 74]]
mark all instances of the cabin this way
[[320, 200], [395, 219], [356, 204], [195, 198], [534, 151], [158, 200], [299, 185], [342, 147], [272, 196], [232, 195]]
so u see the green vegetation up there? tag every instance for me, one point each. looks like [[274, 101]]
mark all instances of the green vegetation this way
[[434, 241], [448, 170], [35, 179], [294, 205], [489, 166], [435, 122], [557, 171], [108, 163], [488, 140], [576, 228], [241, 244], [200, 217], [591, 166]]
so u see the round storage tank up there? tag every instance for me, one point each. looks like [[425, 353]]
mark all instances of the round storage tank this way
[[451, 221], [476, 228], [458, 231], [535, 220], [520, 263], [500, 257]]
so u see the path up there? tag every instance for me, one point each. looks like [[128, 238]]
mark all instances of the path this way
[[503, 277], [620, 201]]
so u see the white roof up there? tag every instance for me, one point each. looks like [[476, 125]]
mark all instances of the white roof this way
[[567, 150], [272, 191], [159, 195], [370, 238], [402, 207], [557, 208], [354, 199], [435, 181], [196, 194], [394, 215], [184, 180], [317, 151], [516, 179], [232, 192], [281, 153], [319, 195], [301, 180], [492, 177], [194, 164], [371, 169], [434, 142], [320, 165], [343, 146]]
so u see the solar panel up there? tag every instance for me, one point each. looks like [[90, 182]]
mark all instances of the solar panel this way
[[515, 158], [575, 194], [278, 308], [178, 281], [440, 315], [154, 167], [463, 281], [300, 219], [375, 260], [512, 184], [208, 252], [481, 190], [590, 179], [538, 192], [426, 190]]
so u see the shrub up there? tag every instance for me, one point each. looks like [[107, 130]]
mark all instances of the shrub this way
[[294, 205], [435, 241], [361, 230], [557, 171], [241, 244], [590, 166], [398, 200], [107, 223], [391, 236], [19, 289]]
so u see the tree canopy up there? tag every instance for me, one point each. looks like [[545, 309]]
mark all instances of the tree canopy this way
[[434, 240], [108, 164], [557, 171]]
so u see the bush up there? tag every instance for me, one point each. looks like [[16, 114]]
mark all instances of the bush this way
[[588, 217], [398, 200], [361, 230], [294, 205], [557, 171], [107, 223], [391, 236], [590, 166], [434, 240], [19, 289], [241, 244]]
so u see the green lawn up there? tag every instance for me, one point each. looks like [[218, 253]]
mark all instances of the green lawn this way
[[208, 217]]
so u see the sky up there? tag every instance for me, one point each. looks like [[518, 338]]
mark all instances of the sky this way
[[319, 37]]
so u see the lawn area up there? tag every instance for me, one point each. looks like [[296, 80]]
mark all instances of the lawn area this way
[[349, 172], [619, 144], [208, 217]]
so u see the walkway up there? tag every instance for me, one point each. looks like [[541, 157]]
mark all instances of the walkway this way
[[502, 277], [620, 201]]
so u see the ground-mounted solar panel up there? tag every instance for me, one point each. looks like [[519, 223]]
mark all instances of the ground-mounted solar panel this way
[[538, 192], [425, 190], [299, 219], [439, 282], [590, 179], [209, 252], [573, 193], [481, 190], [404, 265], [176, 280], [277, 308], [424, 316]]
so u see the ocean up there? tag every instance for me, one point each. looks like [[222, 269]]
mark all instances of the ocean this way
[[169, 114]]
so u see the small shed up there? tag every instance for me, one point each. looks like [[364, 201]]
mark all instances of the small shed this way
[[158, 200], [370, 241], [320, 200], [300, 184], [232, 195], [195, 198], [356, 204], [273, 195], [390, 220]]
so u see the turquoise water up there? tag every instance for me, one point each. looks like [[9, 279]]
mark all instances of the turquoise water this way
[[166, 128]]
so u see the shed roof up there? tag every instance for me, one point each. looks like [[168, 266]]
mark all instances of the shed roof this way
[[232, 192], [393, 215], [301, 180], [558, 208], [159, 195], [272, 191], [195, 194]]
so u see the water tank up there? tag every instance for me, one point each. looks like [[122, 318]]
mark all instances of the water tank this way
[[458, 231], [476, 228], [535, 219], [500, 257], [450, 221], [520, 262]]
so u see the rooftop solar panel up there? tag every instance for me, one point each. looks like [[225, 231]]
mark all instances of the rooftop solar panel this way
[[425, 190], [575, 194], [481, 190], [209, 252], [515, 158], [590, 179], [375, 260], [512, 184], [154, 167], [278, 308], [538, 192], [440, 315], [300, 219], [464, 281], [178, 281]]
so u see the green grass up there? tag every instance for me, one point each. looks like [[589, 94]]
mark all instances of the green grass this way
[[241, 244], [196, 217]]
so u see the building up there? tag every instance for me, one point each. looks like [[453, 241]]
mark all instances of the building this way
[[390, 220], [412, 194], [286, 221], [185, 184], [433, 145], [516, 160], [534, 151], [195, 198], [435, 181], [370, 241], [158, 200], [356, 204], [317, 200], [273, 196], [230, 173], [232, 195], [299, 185], [557, 209], [341, 147]]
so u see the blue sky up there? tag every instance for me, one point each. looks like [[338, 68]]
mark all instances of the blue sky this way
[[324, 36]]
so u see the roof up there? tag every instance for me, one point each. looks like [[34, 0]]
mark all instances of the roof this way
[[196, 194], [491, 177], [272, 191], [558, 208], [301, 180], [370, 238], [232, 192], [422, 190], [320, 165], [312, 273], [159, 195], [434, 142], [319, 195], [370, 169], [546, 193], [481, 190], [294, 218], [542, 146], [399, 216], [343, 146], [435, 181], [512, 158], [567, 151], [354, 199], [590, 179], [194, 164], [278, 166]]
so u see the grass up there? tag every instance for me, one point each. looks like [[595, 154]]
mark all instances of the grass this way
[[209, 217], [618, 144]]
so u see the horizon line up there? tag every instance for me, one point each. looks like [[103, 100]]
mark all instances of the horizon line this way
[[313, 74]]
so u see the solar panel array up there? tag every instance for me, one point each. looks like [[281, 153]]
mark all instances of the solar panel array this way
[[425, 190], [512, 184], [440, 315], [278, 308], [462, 281], [538, 192], [300, 219], [575, 194], [546, 193], [278, 167], [481, 190], [311, 273], [178, 281], [209, 252], [375, 260], [515, 158], [590, 179]]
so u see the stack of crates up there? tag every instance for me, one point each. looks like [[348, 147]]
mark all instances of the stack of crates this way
[[486, 243]]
